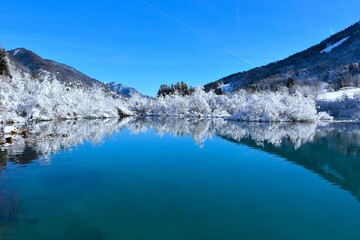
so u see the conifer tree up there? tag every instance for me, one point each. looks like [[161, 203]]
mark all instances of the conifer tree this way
[[4, 69]]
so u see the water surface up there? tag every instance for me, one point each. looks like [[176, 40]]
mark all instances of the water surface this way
[[181, 179]]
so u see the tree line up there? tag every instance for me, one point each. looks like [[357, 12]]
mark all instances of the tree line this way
[[180, 88]]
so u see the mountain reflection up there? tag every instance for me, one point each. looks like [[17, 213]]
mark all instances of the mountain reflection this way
[[330, 150]]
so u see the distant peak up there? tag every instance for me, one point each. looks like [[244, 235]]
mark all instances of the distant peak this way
[[18, 50], [23, 51]]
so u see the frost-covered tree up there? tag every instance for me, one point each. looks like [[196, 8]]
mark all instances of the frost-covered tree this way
[[45, 98], [198, 104], [240, 105]]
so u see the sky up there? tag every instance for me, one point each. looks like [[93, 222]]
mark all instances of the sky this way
[[144, 44]]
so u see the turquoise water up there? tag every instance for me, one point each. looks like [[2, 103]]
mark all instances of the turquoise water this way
[[185, 179]]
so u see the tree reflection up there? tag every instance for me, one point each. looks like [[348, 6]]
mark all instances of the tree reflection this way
[[330, 150]]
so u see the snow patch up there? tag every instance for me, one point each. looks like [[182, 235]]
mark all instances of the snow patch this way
[[336, 95], [9, 129], [343, 104], [16, 52], [226, 88], [329, 48]]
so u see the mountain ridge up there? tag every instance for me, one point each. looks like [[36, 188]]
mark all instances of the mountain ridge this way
[[338, 67], [123, 90], [33, 63]]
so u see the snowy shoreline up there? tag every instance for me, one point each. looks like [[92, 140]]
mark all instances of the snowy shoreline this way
[[26, 99]]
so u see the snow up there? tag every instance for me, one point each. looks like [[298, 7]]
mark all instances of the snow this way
[[241, 105], [226, 88], [331, 47], [10, 129], [45, 98], [336, 95], [16, 52], [344, 103], [122, 90]]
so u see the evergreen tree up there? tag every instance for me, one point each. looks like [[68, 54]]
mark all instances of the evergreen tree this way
[[290, 82], [164, 90], [179, 88], [4, 69]]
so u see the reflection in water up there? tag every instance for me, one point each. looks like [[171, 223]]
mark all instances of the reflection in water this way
[[9, 206], [170, 189], [46, 138], [330, 150], [201, 129]]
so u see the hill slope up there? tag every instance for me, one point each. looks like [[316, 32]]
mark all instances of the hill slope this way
[[334, 61], [33, 63]]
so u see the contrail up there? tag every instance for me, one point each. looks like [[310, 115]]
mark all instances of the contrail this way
[[237, 55], [195, 31], [174, 19], [331, 30]]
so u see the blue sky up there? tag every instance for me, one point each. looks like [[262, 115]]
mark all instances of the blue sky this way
[[146, 43]]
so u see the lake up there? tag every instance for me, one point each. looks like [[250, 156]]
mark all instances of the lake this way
[[194, 178]]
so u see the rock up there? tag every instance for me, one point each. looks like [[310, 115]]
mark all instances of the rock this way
[[9, 140], [24, 133]]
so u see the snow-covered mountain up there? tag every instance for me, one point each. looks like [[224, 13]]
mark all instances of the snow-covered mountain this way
[[123, 90], [331, 64], [34, 64]]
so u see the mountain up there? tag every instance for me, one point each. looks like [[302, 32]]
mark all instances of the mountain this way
[[334, 61], [33, 64], [123, 90]]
